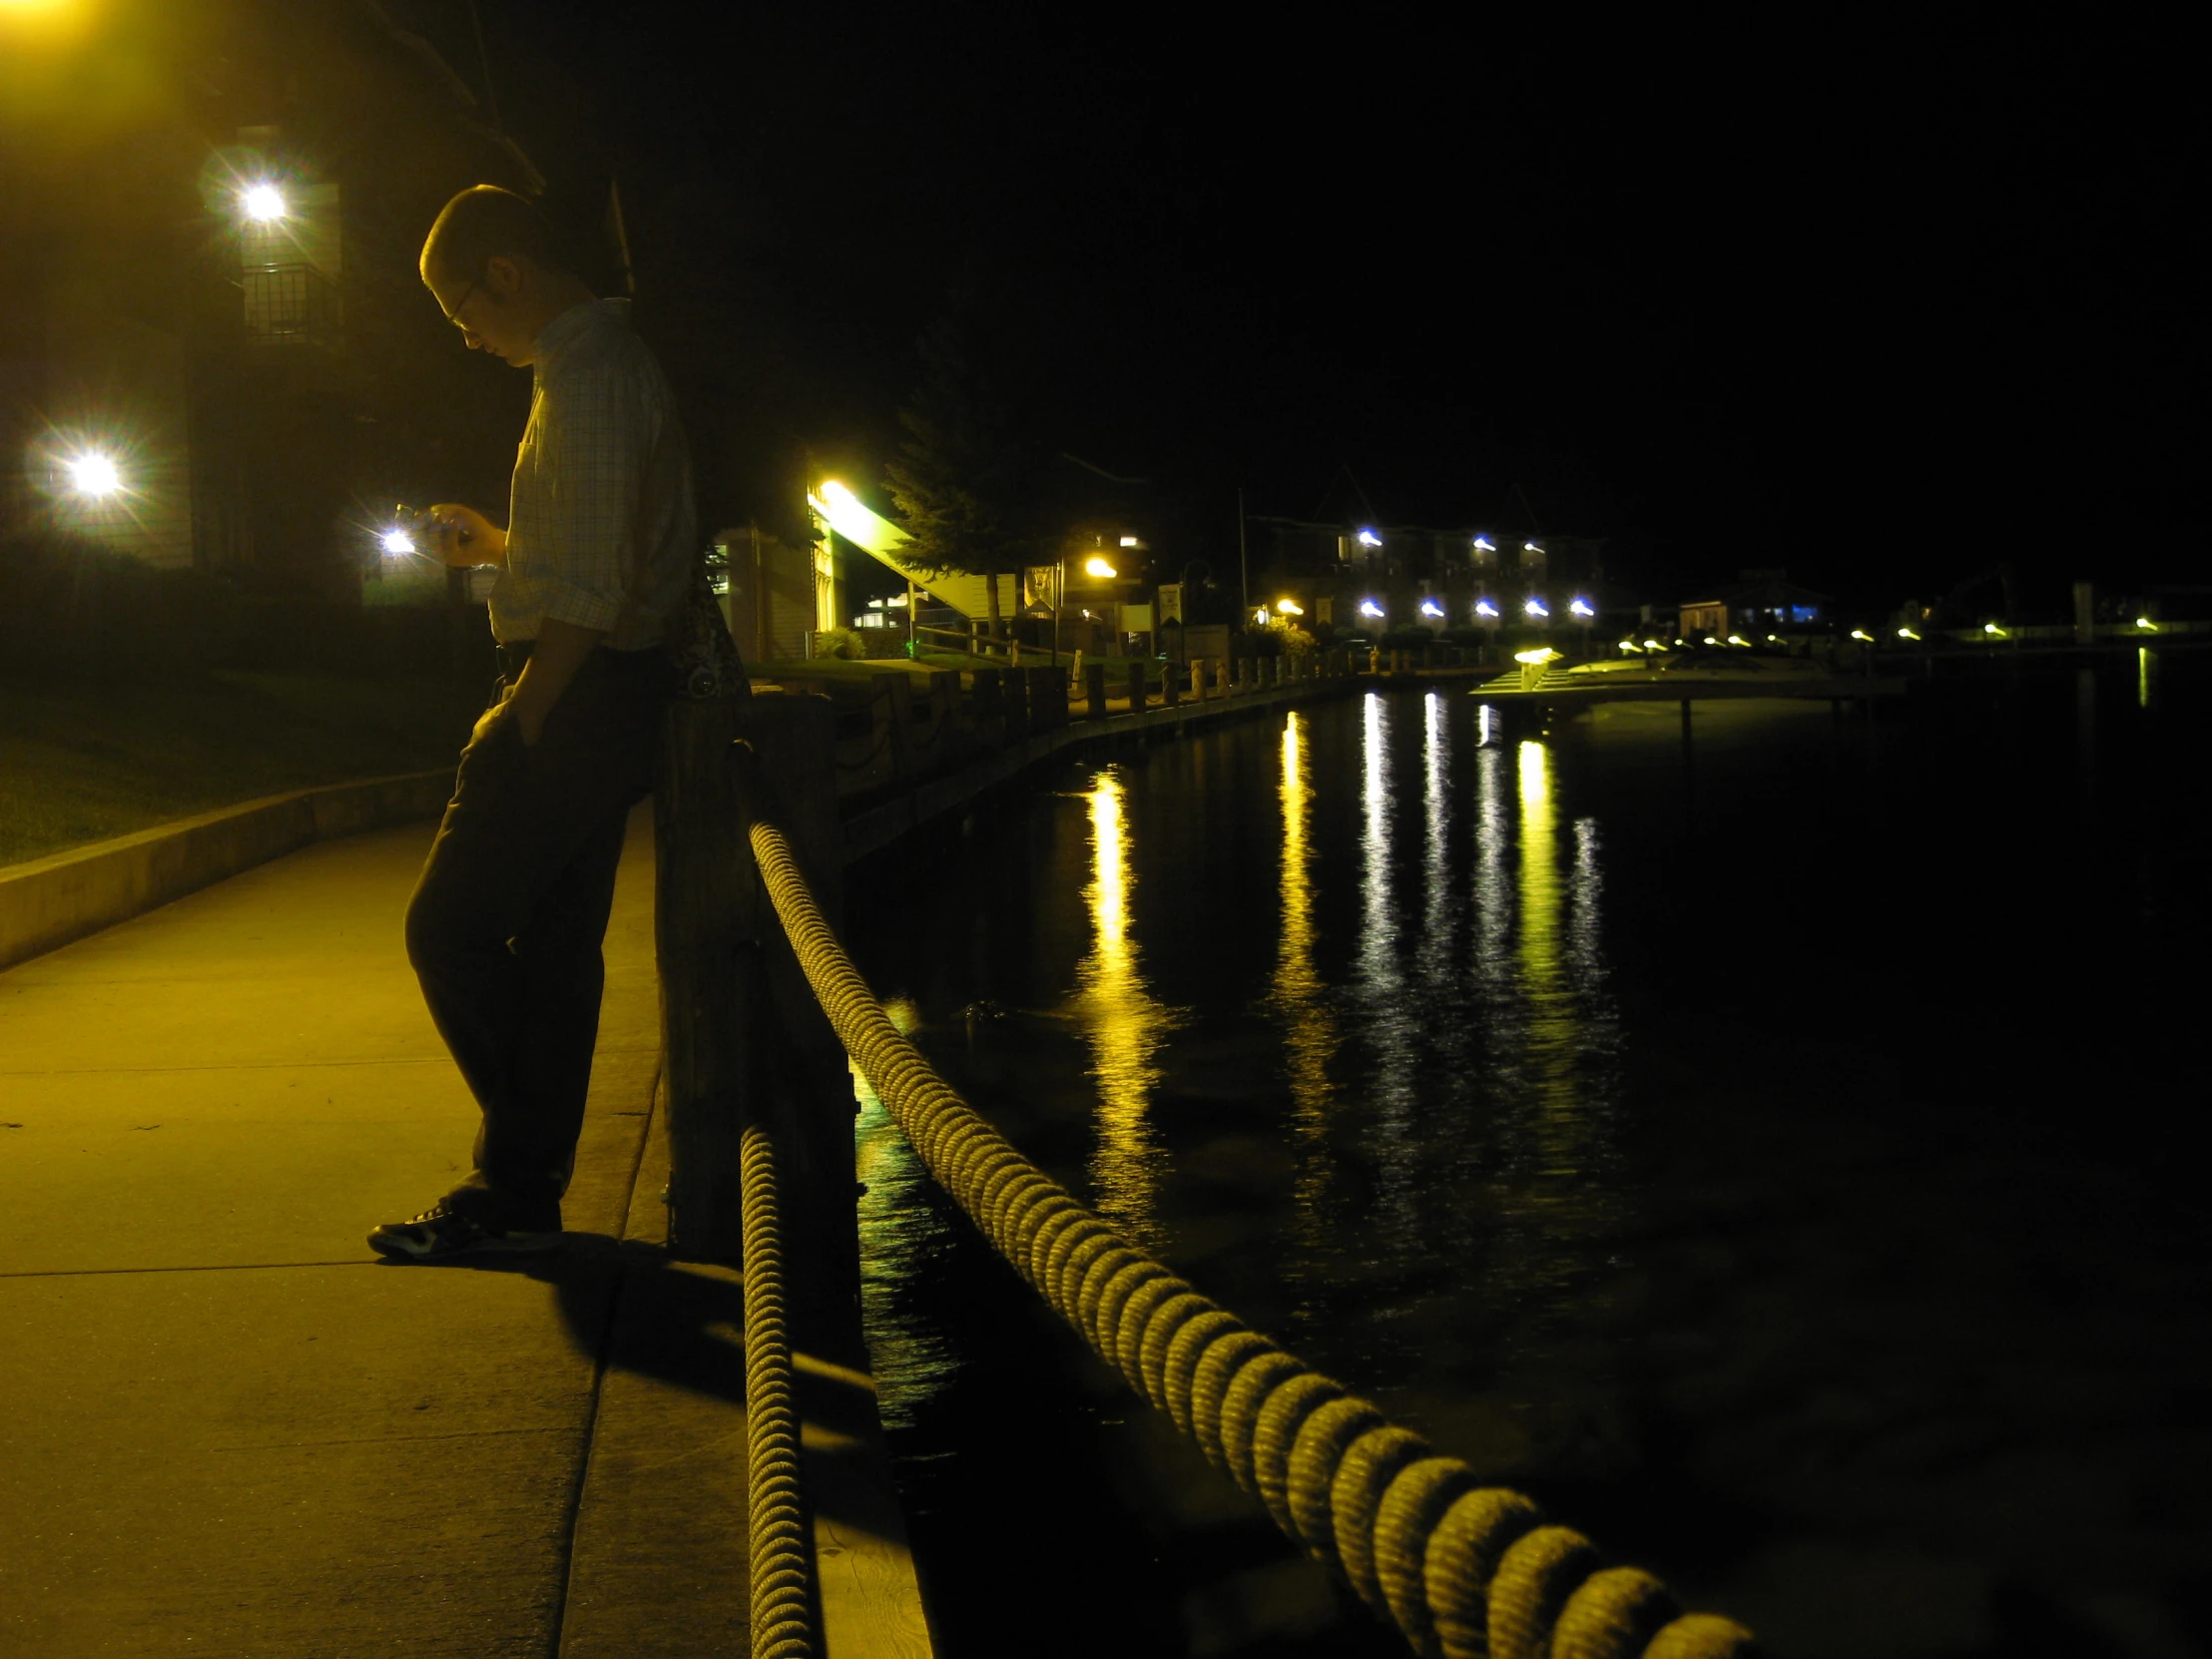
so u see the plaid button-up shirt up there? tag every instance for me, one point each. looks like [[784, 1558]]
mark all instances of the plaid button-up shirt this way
[[601, 528]]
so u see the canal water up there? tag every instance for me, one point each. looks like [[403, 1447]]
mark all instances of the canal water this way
[[1769, 1149]]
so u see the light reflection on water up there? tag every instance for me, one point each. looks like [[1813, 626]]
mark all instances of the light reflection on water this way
[[1123, 1023], [1297, 995], [904, 1236]]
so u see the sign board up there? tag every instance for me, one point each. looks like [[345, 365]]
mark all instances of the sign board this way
[[1136, 619], [1170, 602], [1044, 583]]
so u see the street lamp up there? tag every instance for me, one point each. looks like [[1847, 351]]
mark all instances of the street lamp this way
[[398, 543], [1536, 610], [1369, 607], [1100, 569], [262, 201], [94, 474]]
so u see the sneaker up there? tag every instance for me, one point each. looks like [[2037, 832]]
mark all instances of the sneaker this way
[[440, 1232]]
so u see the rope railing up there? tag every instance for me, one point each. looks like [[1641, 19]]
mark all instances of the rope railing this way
[[1461, 1569], [779, 1549]]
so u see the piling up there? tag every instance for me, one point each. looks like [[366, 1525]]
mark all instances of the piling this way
[[1094, 690]]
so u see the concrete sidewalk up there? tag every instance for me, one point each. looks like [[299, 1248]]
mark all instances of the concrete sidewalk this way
[[225, 1427]]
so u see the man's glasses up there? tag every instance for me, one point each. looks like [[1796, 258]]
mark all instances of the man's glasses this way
[[455, 315]]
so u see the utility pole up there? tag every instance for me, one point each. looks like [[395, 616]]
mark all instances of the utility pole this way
[[1243, 568]]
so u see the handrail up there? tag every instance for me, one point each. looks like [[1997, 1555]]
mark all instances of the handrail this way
[[1462, 1570]]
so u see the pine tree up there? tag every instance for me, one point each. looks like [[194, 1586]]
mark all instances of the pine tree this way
[[964, 486]]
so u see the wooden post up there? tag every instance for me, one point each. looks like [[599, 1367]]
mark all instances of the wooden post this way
[[705, 902], [744, 1040], [1016, 700], [891, 691], [1170, 685], [1136, 687], [1094, 689], [990, 705], [1048, 698]]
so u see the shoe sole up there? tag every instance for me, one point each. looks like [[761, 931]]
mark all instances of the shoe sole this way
[[513, 1244]]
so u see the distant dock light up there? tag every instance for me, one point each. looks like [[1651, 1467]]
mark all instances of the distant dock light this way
[[1536, 608], [398, 542], [1487, 609], [1369, 607], [262, 203], [1428, 607], [1581, 607]]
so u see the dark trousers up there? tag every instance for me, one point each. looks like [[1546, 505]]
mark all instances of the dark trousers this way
[[508, 916]]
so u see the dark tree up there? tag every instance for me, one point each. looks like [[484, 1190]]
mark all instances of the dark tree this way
[[967, 486]]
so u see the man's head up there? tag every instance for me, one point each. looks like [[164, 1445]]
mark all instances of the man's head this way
[[496, 270]]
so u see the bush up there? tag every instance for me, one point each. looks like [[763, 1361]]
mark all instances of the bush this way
[[69, 605]]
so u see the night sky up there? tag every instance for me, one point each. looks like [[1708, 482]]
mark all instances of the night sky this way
[[1883, 306]]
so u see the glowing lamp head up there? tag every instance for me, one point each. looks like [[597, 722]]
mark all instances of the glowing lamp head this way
[[1530, 547], [1581, 607], [1369, 607], [835, 493], [1536, 608], [1631, 647], [1738, 639], [94, 474], [262, 203], [1483, 544], [2146, 624], [1368, 538], [1289, 607], [1129, 541], [1992, 628], [1654, 645], [397, 542], [1428, 607], [1862, 634], [1487, 608], [1099, 568], [1907, 634], [1542, 654]]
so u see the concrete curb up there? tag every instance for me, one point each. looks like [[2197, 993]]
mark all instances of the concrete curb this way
[[871, 832], [47, 902]]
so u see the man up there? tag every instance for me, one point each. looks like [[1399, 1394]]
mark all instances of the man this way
[[509, 915]]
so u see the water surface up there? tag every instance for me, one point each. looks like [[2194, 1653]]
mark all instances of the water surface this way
[[1771, 1151]]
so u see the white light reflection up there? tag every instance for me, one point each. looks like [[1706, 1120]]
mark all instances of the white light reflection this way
[[904, 1236], [1123, 1023]]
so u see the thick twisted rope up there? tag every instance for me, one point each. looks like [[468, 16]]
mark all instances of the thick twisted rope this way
[[1461, 1569], [781, 1565]]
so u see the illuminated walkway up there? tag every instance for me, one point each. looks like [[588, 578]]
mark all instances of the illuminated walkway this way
[[223, 1427]]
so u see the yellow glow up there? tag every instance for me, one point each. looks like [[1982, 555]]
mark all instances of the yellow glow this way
[[262, 203], [1297, 997], [1992, 629], [1632, 648], [1907, 634], [1542, 654], [1123, 1022], [1549, 1034], [94, 474], [1289, 607], [1654, 645], [1710, 640], [1100, 568], [847, 514], [1738, 639], [398, 541], [1862, 634], [2142, 676], [2145, 623]]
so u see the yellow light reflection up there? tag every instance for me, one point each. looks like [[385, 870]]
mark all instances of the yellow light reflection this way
[[2142, 676], [1124, 1023], [1298, 996]]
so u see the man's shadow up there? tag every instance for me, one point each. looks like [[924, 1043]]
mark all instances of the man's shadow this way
[[630, 1305]]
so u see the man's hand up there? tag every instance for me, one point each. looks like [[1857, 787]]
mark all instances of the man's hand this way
[[462, 536], [562, 649]]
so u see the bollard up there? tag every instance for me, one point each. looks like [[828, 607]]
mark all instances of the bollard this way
[[893, 712], [1094, 690], [988, 702], [1170, 685], [1048, 698], [1014, 694], [742, 1039], [1136, 687]]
